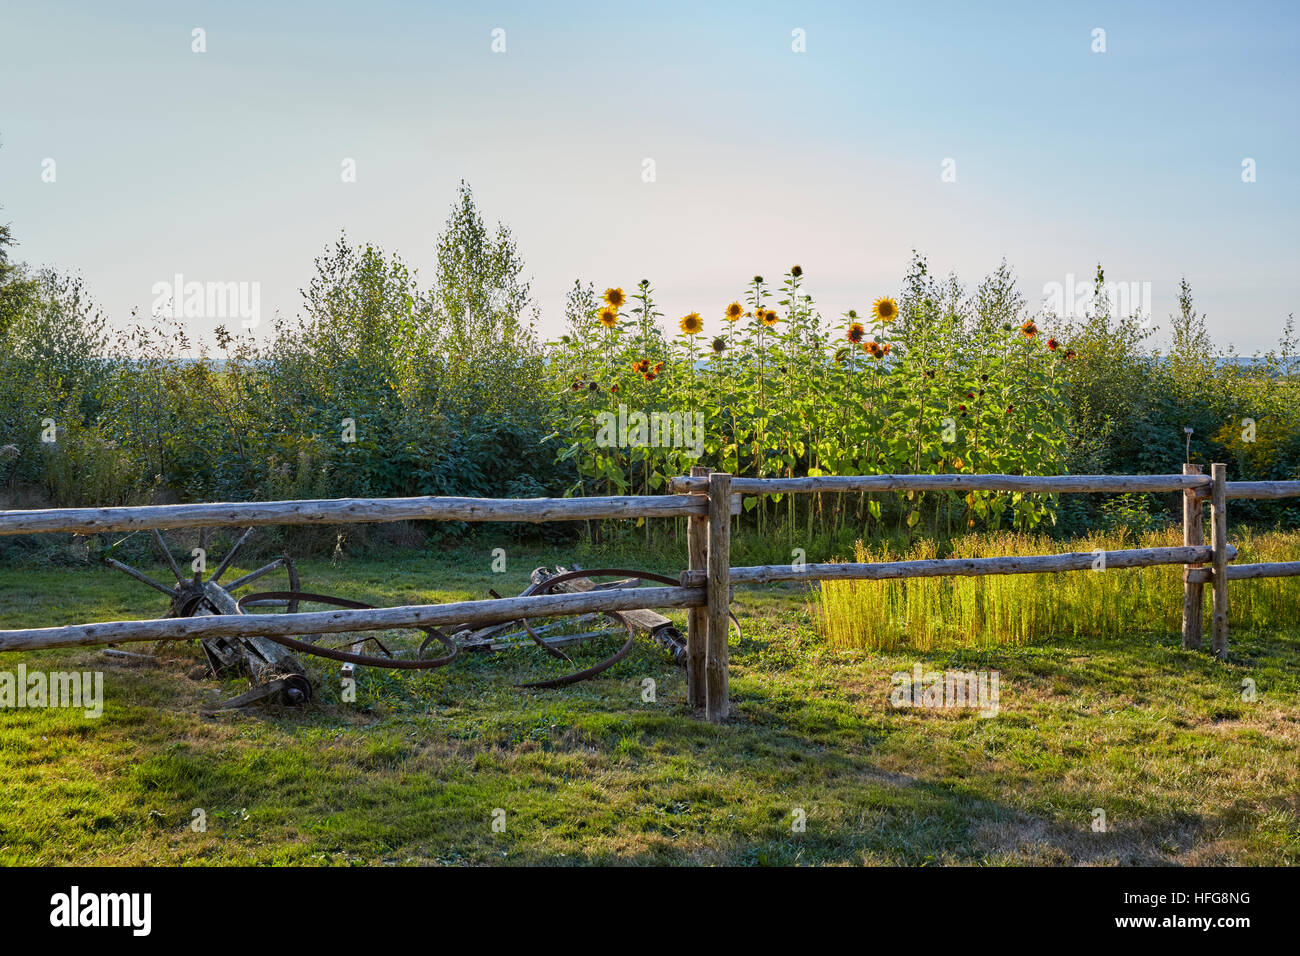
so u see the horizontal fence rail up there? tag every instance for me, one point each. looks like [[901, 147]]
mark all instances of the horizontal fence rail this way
[[348, 511], [1050, 484], [1262, 489], [966, 567], [1031, 484], [495, 611], [1245, 572]]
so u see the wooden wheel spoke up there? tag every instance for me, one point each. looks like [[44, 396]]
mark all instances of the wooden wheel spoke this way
[[171, 559], [141, 576], [254, 575], [230, 556]]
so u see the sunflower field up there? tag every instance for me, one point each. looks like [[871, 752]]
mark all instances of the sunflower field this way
[[782, 392]]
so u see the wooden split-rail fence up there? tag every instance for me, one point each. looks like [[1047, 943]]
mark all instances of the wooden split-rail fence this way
[[707, 499]]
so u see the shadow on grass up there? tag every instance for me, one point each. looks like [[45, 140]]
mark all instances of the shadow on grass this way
[[423, 768]]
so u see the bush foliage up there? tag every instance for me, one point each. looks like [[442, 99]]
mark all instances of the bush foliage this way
[[447, 390]]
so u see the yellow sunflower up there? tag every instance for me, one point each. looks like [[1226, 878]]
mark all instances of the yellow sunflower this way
[[885, 309], [608, 317], [734, 311], [769, 317], [614, 298], [692, 324]]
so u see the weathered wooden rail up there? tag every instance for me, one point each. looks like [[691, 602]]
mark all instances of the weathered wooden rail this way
[[495, 611], [966, 567], [347, 511], [707, 500]]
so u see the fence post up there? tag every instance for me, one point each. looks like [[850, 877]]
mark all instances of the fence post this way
[[1219, 540], [697, 620], [1193, 591], [717, 702]]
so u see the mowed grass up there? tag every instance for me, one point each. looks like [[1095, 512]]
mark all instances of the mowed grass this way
[[415, 772]]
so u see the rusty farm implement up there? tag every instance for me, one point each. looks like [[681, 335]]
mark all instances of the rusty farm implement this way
[[278, 676]]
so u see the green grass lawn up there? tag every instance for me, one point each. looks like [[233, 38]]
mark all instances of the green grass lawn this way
[[1185, 770]]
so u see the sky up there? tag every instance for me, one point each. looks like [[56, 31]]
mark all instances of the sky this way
[[840, 136]]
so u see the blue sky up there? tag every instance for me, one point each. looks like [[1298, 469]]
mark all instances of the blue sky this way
[[225, 165]]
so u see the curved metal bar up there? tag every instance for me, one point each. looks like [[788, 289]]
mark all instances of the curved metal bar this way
[[347, 657], [544, 587]]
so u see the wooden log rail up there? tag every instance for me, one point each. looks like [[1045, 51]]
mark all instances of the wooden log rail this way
[[350, 511], [966, 567], [1245, 572], [1262, 489], [494, 611], [1050, 484]]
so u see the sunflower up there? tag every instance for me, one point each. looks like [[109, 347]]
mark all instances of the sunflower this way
[[733, 312], [885, 309], [1029, 330], [691, 324], [608, 317], [873, 348], [796, 271], [641, 366], [614, 298], [856, 333], [577, 386], [884, 349], [1053, 344], [841, 354], [769, 317], [659, 367], [719, 345], [649, 376], [1070, 353]]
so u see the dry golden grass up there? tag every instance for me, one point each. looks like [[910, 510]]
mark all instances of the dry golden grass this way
[[933, 613]]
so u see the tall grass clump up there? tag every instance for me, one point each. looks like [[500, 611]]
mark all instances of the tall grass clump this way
[[1264, 603], [937, 613]]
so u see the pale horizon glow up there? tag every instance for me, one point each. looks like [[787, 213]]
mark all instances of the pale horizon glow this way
[[224, 166]]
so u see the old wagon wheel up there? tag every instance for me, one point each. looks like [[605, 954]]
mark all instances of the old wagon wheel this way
[[188, 595], [275, 672], [548, 584]]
